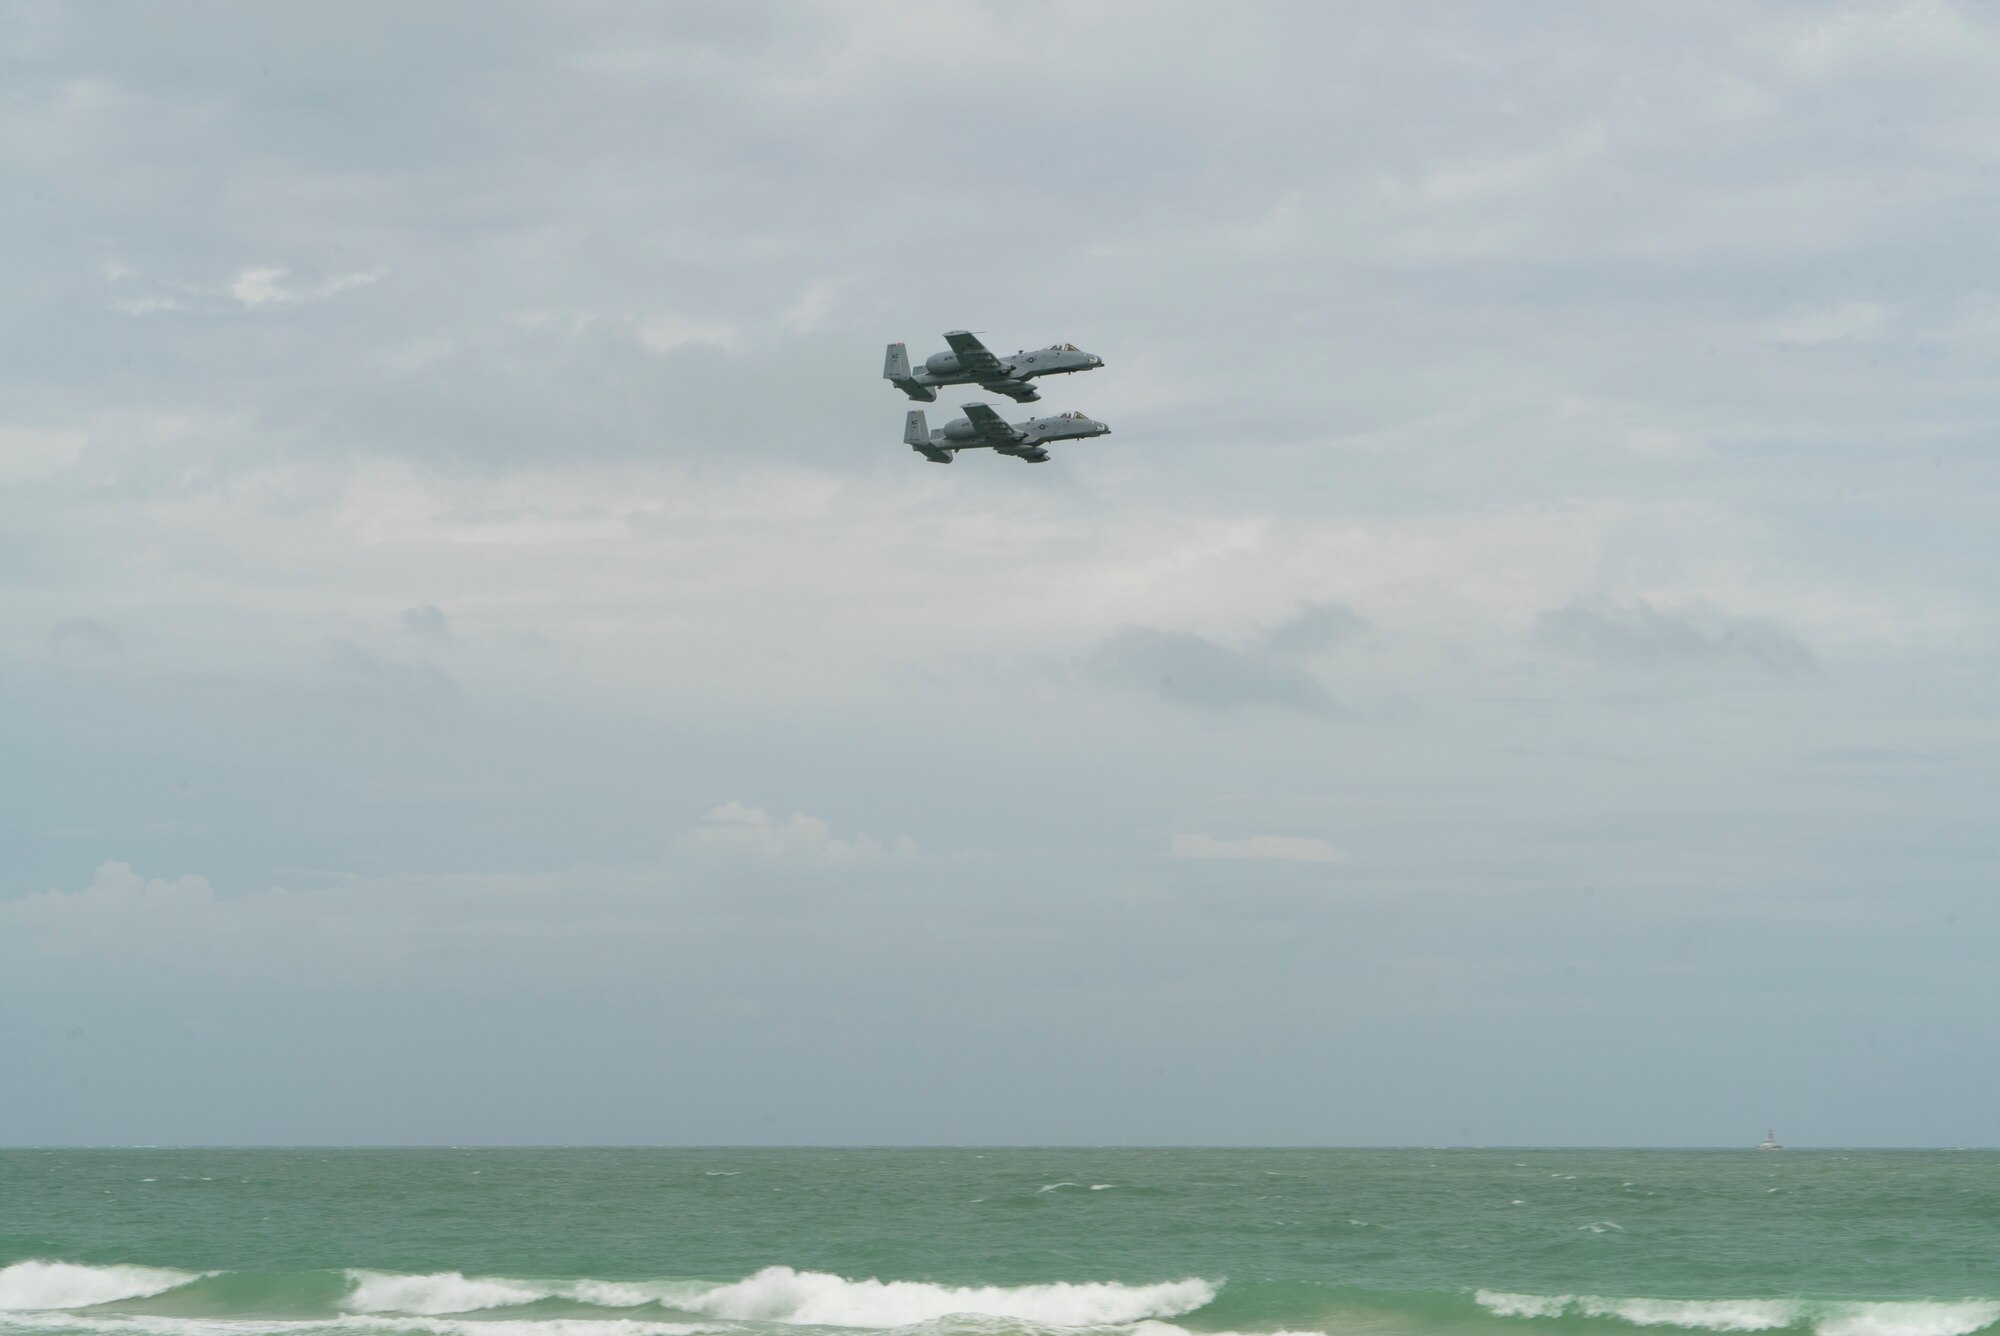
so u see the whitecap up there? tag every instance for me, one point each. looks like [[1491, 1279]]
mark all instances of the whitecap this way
[[143, 1324], [436, 1293], [1170, 1329], [1883, 1318], [444, 1292], [812, 1298], [1909, 1318], [32, 1285], [1702, 1314], [1504, 1304]]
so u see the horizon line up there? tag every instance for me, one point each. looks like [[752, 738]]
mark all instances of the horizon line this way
[[947, 1145]]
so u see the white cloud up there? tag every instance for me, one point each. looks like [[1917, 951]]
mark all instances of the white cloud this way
[[267, 286], [27, 453], [735, 830], [1916, 37], [116, 892], [667, 331], [1272, 848], [260, 286], [335, 923], [147, 305], [813, 307]]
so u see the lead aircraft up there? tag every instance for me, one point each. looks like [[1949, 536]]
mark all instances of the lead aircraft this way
[[981, 428], [970, 363]]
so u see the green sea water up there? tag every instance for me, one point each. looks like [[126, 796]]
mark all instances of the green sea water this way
[[998, 1242]]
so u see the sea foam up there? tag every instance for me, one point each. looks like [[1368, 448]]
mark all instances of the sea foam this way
[[32, 1285], [814, 1298], [443, 1292], [436, 1293], [1911, 1317], [1699, 1314], [1150, 1328], [147, 1324]]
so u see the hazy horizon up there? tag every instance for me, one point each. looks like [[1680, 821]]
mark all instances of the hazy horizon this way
[[921, 1146]]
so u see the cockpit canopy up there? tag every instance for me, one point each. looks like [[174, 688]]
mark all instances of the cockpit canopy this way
[[1080, 417], [1064, 348]]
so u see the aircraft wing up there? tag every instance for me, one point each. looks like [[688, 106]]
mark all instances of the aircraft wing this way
[[992, 431], [974, 357]]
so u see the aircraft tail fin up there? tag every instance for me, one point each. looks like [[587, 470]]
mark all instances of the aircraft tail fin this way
[[896, 370], [917, 435]]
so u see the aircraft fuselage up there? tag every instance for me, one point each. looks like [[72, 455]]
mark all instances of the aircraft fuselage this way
[[1023, 440], [1007, 375]]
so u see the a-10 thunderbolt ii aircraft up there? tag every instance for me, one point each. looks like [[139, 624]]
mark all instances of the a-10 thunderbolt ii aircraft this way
[[981, 427], [969, 363]]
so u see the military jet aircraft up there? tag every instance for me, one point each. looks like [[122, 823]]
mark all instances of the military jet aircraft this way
[[981, 427], [969, 363]]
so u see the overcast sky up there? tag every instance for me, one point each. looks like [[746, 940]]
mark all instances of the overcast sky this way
[[478, 664]]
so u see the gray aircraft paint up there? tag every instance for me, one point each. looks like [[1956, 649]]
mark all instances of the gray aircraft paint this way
[[981, 428], [969, 362]]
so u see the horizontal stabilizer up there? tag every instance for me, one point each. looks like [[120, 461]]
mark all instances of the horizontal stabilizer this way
[[896, 370], [917, 435]]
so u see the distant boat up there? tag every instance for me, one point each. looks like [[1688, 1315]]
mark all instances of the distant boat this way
[[1770, 1141]]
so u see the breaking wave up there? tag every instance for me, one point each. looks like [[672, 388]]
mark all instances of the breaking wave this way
[[1901, 1317], [815, 1298], [781, 1294], [54, 1298], [445, 1292], [35, 1285], [147, 1324]]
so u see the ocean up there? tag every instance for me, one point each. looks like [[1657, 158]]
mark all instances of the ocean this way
[[997, 1242]]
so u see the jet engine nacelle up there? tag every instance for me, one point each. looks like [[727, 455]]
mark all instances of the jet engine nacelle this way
[[960, 429], [942, 364]]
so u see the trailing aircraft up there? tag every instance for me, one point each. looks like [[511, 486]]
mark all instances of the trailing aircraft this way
[[970, 363], [981, 428]]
